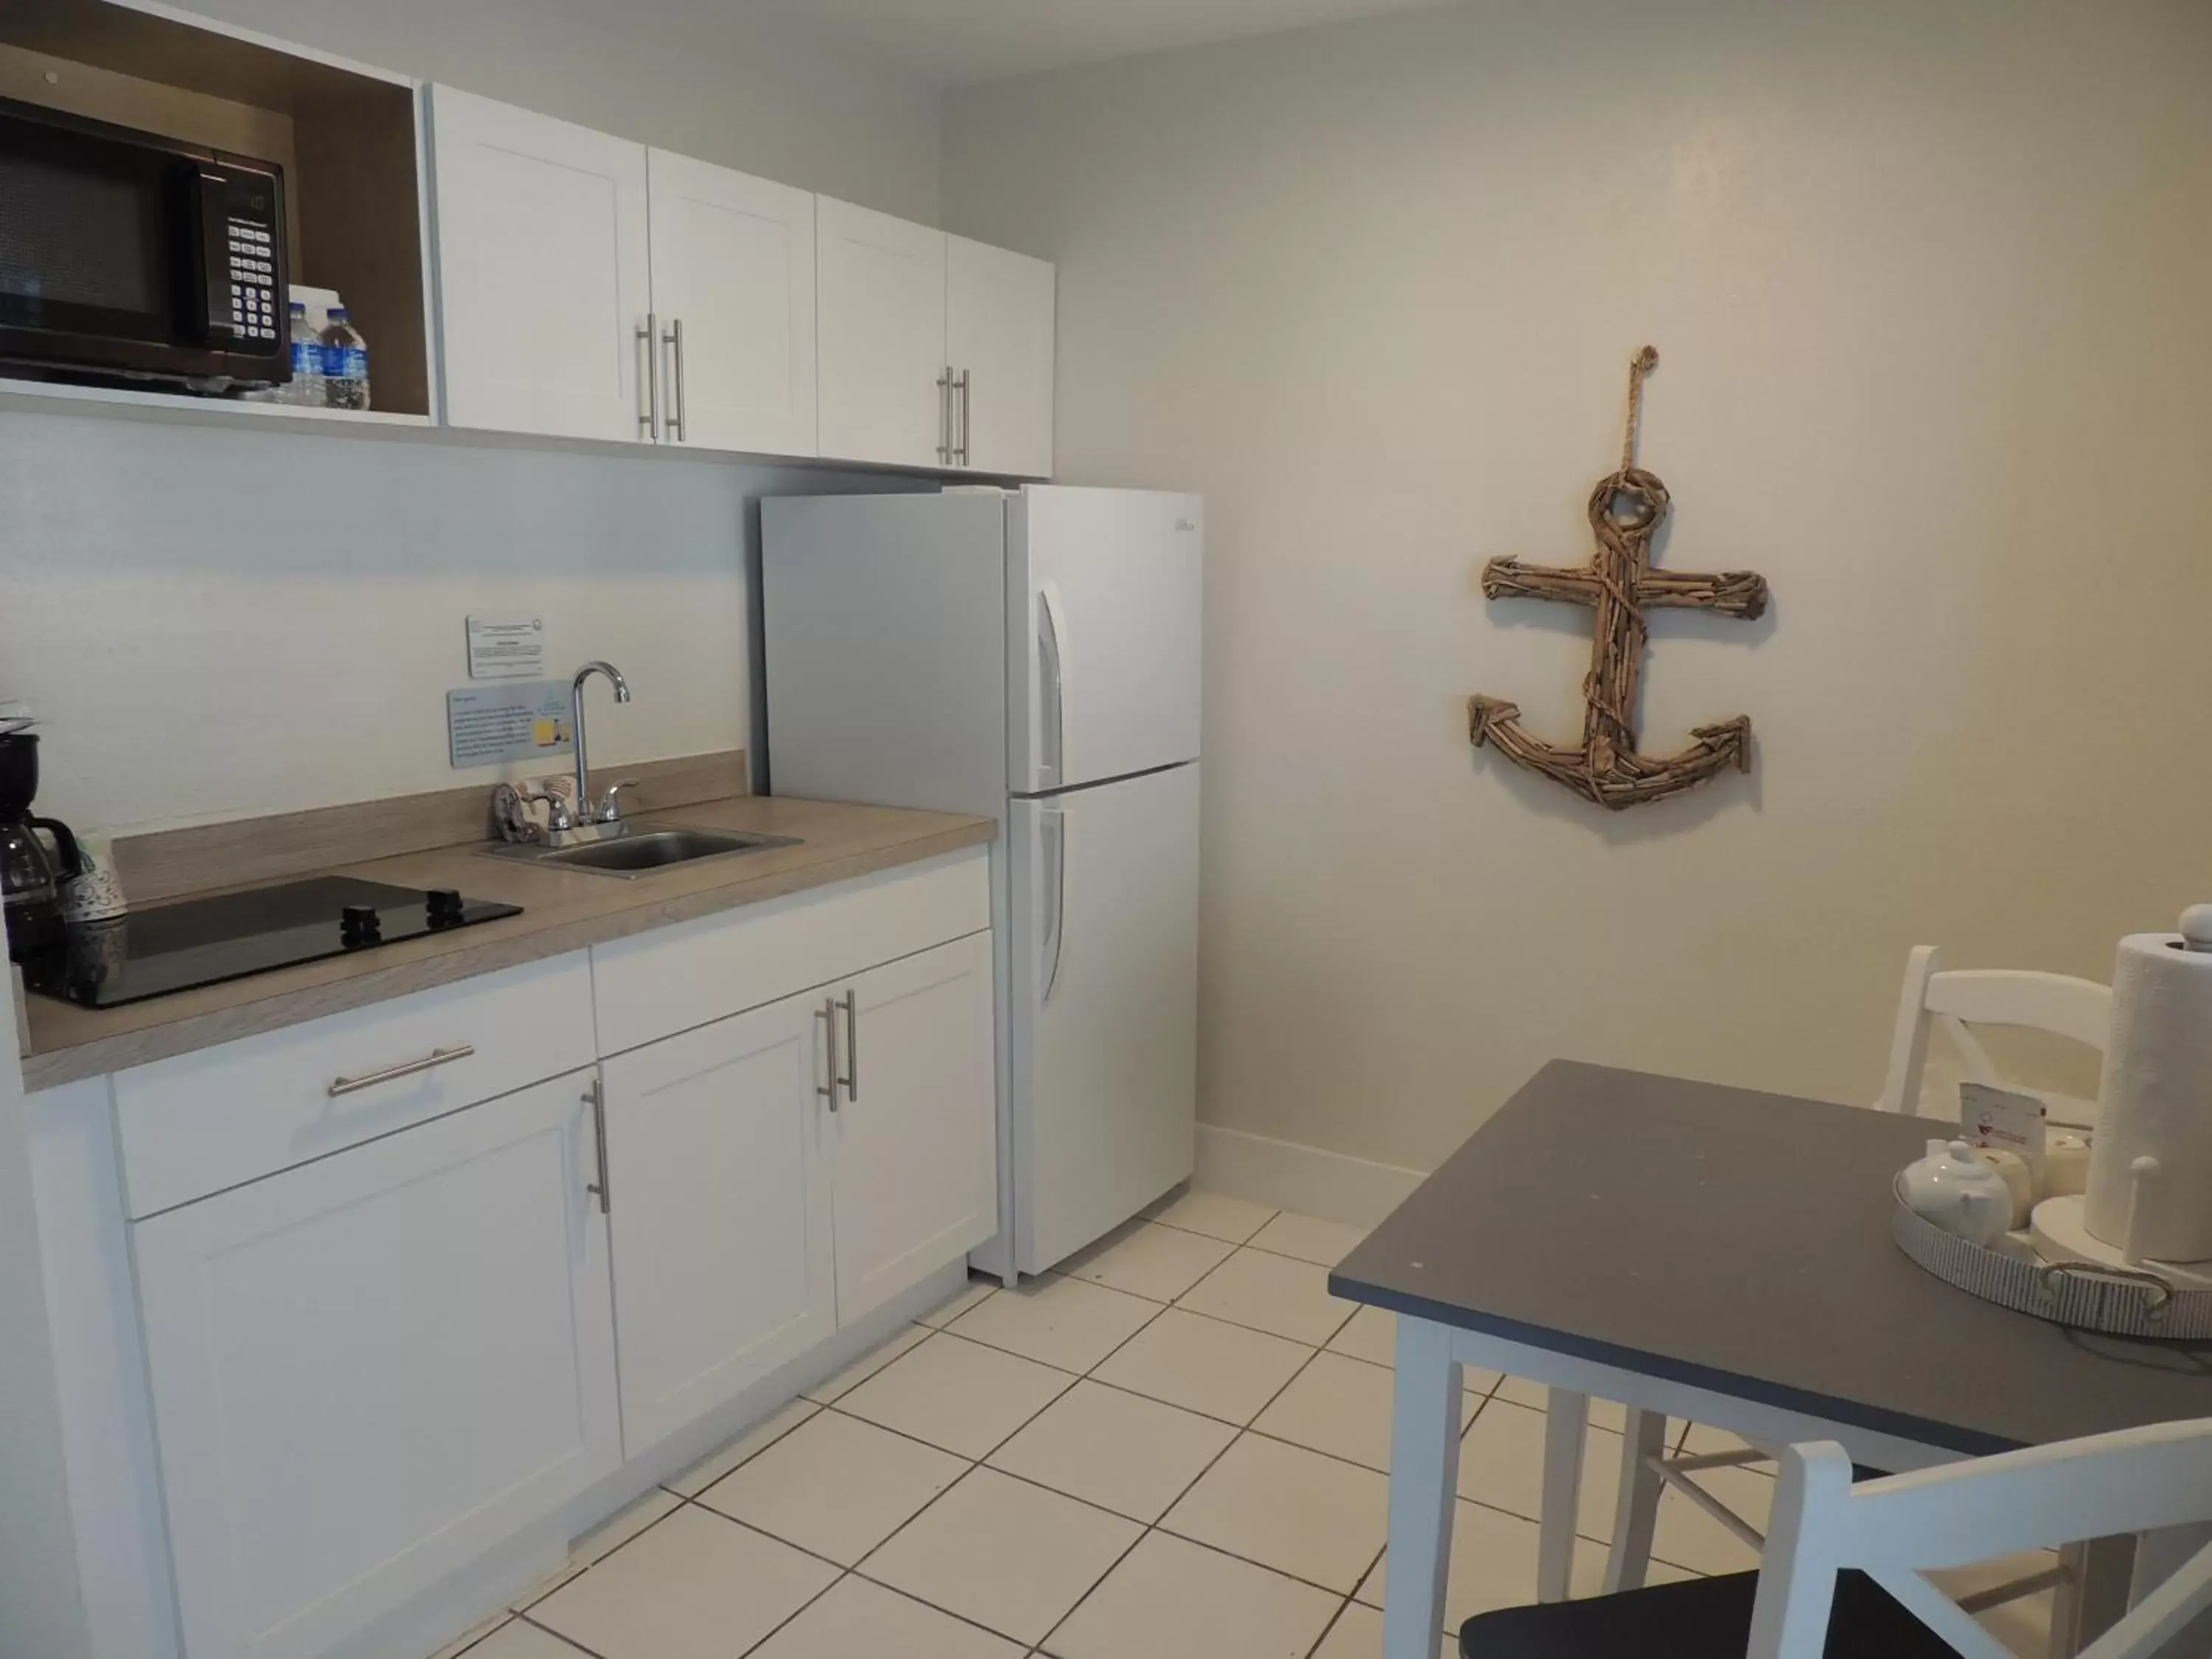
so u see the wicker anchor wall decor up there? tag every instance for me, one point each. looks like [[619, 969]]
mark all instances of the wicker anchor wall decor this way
[[1620, 585]]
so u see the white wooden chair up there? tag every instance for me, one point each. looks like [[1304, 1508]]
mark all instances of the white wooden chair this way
[[1959, 999], [1932, 996], [1845, 1564]]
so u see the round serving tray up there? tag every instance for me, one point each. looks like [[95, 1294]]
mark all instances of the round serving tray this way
[[2116, 1300]]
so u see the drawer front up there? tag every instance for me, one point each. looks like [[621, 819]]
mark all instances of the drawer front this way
[[201, 1123], [657, 984]]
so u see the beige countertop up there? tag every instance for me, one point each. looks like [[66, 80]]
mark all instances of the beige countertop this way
[[563, 910]]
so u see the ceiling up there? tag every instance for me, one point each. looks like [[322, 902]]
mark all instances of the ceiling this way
[[961, 41]]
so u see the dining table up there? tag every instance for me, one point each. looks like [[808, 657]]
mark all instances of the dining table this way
[[1721, 1255]]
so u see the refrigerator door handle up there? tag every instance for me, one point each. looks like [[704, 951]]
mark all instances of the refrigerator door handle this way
[[1052, 691], [1053, 827]]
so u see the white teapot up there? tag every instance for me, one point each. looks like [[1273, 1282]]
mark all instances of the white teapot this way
[[1953, 1188]]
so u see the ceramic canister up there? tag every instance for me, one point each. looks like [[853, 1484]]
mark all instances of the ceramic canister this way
[[97, 894]]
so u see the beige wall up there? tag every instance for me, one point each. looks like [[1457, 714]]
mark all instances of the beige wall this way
[[696, 76], [1929, 283]]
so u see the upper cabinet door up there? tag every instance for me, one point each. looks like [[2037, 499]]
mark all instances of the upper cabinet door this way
[[733, 284], [999, 339], [543, 261], [369, 1370], [885, 396]]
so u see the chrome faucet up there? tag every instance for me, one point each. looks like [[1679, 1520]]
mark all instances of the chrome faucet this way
[[589, 811]]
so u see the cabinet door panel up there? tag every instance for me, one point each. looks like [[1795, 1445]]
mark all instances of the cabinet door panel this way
[[999, 310], [917, 1141], [370, 1368], [881, 283], [733, 262], [720, 1211], [543, 270]]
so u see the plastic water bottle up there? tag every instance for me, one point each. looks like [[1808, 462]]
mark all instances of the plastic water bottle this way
[[345, 363], [305, 385]]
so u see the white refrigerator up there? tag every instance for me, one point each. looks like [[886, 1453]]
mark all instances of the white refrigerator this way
[[1032, 655]]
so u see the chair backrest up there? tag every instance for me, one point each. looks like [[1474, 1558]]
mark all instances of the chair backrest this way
[[1959, 999], [1895, 1529]]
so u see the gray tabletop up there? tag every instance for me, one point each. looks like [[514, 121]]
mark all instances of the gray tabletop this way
[[1740, 1242]]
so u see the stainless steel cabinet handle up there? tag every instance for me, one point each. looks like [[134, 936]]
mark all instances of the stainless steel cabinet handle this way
[[827, 1013], [648, 379], [851, 1047], [596, 1098], [436, 1057], [679, 427], [945, 418], [961, 454]]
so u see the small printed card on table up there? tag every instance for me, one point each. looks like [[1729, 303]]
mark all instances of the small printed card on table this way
[[1990, 1117]]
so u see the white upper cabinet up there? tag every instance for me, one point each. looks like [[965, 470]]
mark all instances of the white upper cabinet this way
[[885, 389], [998, 340], [734, 291], [589, 287], [543, 265], [369, 1370]]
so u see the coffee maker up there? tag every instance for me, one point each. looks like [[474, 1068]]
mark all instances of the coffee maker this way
[[31, 877]]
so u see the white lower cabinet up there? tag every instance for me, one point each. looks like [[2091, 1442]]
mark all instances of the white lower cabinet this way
[[915, 1135], [755, 1204], [369, 1369], [718, 1203], [443, 1322]]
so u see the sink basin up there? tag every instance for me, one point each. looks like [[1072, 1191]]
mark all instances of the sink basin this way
[[641, 851]]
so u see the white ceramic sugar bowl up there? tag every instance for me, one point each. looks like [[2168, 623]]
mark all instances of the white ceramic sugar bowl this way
[[1953, 1188]]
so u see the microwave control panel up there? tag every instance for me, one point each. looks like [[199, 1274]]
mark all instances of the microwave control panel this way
[[257, 310]]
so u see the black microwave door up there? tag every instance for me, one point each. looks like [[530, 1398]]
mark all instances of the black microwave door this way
[[94, 234]]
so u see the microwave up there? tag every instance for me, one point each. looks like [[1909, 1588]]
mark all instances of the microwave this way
[[127, 254]]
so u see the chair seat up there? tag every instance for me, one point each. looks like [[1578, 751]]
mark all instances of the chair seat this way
[[1697, 1619]]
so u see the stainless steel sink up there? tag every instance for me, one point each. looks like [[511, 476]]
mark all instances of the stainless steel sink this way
[[642, 850]]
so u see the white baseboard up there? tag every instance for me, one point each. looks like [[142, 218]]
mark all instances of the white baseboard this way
[[1287, 1175]]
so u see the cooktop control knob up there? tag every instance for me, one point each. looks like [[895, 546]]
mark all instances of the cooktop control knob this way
[[443, 905], [360, 925]]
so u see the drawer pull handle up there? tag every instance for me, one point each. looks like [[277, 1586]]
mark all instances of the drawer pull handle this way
[[436, 1057]]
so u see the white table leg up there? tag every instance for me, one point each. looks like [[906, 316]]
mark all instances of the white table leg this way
[[1637, 1512], [1424, 1485], [1565, 1424]]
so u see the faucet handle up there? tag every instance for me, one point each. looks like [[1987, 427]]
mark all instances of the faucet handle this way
[[558, 818], [610, 810]]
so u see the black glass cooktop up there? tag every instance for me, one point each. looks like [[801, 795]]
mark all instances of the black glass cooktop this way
[[173, 947]]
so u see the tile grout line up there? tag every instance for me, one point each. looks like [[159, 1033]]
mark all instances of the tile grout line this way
[[854, 1571], [1211, 1463], [524, 1619], [1158, 1308], [1336, 1618], [977, 1463], [684, 1501], [1313, 1353]]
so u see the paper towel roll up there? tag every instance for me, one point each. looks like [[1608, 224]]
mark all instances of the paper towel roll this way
[[2155, 1099]]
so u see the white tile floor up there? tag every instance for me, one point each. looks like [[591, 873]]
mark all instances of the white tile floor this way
[[1177, 1447]]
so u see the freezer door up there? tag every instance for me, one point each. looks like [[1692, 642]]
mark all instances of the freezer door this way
[[1105, 1007], [1105, 594]]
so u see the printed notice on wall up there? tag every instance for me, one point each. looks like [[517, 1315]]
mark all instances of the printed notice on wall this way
[[506, 647], [487, 725]]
